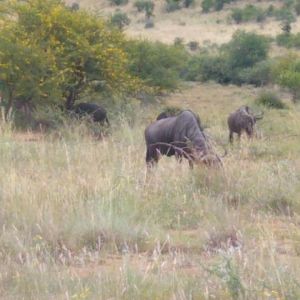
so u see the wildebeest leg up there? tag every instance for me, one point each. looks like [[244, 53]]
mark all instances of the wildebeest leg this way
[[249, 132], [191, 164], [151, 157], [231, 137], [107, 122]]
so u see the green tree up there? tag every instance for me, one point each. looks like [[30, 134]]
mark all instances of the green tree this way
[[287, 74], [246, 49], [64, 53]]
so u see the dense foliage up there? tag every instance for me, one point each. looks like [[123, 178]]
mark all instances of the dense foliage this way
[[238, 61], [50, 53], [159, 65]]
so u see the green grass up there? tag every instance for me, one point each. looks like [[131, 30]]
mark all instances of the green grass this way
[[79, 220]]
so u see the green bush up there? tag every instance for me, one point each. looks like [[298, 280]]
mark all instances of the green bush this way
[[172, 5], [246, 49], [145, 5], [207, 5], [249, 13], [260, 74], [270, 100], [288, 40], [193, 45], [188, 3], [204, 67], [242, 60], [118, 2], [284, 14], [159, 65], [297, 7], [120, 20]]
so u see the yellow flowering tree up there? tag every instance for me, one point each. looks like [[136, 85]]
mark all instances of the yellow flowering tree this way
[[49, 52]]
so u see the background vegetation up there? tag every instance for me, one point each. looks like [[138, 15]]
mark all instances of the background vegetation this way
[[81, 219]]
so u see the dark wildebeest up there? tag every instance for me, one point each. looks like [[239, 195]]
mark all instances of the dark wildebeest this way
[[181, 136], [243, 119], [98, 113], [169, 112]]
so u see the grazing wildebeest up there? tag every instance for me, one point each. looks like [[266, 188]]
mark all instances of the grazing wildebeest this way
[[98, 113], [169, 112], [181, 136], [243, 119]]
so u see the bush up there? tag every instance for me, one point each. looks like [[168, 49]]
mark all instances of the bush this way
[[246, 49], [260, 74], [207, 5], [118, 2], [297, 7], [193, 45], [172, 5], [286, 73], [149, 23], [206, 67], [145, 5], [188, 3], [270, 100], [120, 20], [157, 64], [284, 14], [288, 40], [242, 60], [249, 13]]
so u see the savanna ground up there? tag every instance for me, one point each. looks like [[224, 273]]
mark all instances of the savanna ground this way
[[79, 220], [82, 222]]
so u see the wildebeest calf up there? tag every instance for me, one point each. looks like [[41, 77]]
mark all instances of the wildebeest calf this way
[[181, 136], [97, 112], [242, 120]]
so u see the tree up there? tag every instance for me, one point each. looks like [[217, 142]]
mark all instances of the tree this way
[[287, 74], [64, 53], [246, 49]]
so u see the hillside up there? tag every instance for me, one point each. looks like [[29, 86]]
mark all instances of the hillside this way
[[189, 24]]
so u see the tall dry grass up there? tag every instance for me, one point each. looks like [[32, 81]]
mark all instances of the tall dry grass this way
[[79, 220]]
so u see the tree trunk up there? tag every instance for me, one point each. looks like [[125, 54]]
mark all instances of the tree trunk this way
[[70, 100], [9, 104]]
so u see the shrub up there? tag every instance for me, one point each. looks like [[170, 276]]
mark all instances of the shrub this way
[[287, 74], [193, 45], [188, 3], [118, 2], [145, 5], [157, 64], [242, 60], [260, 74], [246, 49], [75, 6], [249, 13], [207, 5], [297, 7], [120, 20], [149, 23], [204, 67], [178, 41], [237, 15], [270, 100], [284, 14], [172, 5], [288, 40]]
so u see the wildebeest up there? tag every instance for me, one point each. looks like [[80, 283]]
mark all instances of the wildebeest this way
[[181, 136], [242, 120], [97, 112], [169, 111]]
